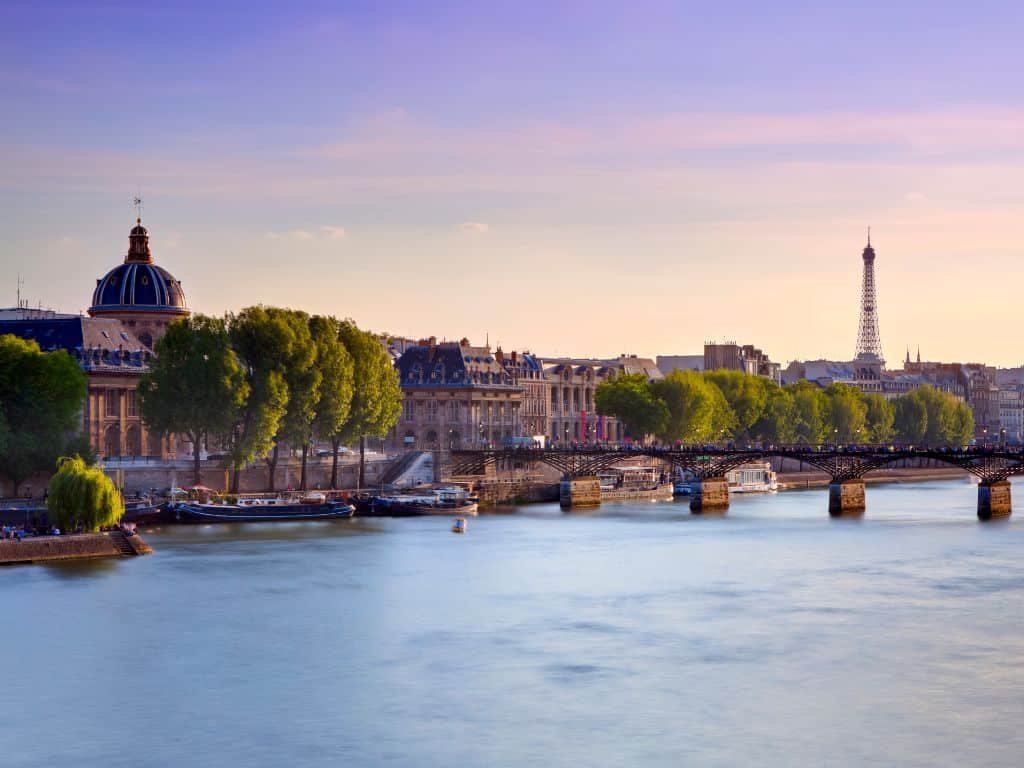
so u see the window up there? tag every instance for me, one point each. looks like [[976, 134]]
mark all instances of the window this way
[[431, 410], [113, 400], [407, 410], [133, 403]]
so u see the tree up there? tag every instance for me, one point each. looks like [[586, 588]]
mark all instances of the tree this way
[[334, 400], [195, 386], [297, 365], [697, 411], [777, 421], [260, 339], [810, 410], [746, 395], [376, 394], [847, 413], [80, 495], [629, 398], [41, 398], [879, 419], [910, 417]]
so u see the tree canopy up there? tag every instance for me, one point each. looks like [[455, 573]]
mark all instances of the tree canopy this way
[[80, 495], [697, 410], [41, 399], [629, 398], [195, 386]]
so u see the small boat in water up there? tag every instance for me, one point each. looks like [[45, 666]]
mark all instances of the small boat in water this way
[[313, 506], [459, 525]]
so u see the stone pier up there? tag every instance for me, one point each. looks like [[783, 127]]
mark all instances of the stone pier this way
[[846, 498], [993, 499], [579, 492], [710, 494]]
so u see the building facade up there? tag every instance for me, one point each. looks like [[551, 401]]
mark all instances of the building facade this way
[[455, 396]]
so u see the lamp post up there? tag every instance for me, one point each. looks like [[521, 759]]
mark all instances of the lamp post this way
[[835, 438]]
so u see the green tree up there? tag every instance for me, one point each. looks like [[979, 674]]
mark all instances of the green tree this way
[[777, 423], [629, 398], [962, 425], [746, 395], [697, 411], [910, 418], [195, 386], [297, 366], [334, 400], [80, 495], [41, 399], [810, 412], [376, 394], [879, 418], [847, 413], [261, 339], [946, 417]]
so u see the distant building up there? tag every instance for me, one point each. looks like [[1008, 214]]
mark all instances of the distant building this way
[[733, 357], [668, 363], [455, 395], [528, 373]]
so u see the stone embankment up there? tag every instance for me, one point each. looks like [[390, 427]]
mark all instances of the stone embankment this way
[[38, 549], [791, 480]]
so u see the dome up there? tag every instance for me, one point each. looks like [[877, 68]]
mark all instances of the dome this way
[[138, 284]]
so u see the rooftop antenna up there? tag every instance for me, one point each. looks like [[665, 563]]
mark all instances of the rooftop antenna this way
[[21, 282], [869, 237]]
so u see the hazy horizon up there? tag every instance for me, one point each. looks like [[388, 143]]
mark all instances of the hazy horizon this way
[[575, 179]]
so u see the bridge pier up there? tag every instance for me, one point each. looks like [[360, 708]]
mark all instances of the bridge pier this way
[[579, 492], [709, 494], [846, 497], [994, 499]]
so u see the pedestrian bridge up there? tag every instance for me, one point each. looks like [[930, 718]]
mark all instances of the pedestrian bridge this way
[[846, 466]]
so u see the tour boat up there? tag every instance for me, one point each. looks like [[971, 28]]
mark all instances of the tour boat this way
[[314, 506], [436, 501], [753, 477]]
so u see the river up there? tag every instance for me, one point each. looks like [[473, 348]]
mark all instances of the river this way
[[634, 635]]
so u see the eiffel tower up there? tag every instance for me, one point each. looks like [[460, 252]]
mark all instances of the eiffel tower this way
[[869, 341]]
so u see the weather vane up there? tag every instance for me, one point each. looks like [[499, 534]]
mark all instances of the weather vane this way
[[137, 202]]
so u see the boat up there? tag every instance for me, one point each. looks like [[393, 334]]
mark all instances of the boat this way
[[459, 525], [436, 501], [310, 507], [752, 477]]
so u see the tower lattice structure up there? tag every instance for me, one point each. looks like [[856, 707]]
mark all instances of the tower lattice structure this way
[[869, 341]]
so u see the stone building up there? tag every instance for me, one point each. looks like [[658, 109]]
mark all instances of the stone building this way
[[455, 396], [132, 306], [572, 416], [528, 373], [735, 357]]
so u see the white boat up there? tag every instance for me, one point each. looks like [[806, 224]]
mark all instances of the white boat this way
[[459, 525], [753, 477]]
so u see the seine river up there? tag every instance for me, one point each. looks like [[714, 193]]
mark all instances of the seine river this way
[[636, 635]]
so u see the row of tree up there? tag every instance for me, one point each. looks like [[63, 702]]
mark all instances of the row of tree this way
[[266, 379], [694, 407]]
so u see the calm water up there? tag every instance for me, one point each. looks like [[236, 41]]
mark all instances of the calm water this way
[[634, 635]]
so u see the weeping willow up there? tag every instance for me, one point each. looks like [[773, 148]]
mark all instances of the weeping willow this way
[[81, 495]]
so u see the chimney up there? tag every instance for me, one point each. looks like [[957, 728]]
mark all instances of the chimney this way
[[499, 356]]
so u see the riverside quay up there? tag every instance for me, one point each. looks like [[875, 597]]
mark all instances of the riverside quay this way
[[845, 466]]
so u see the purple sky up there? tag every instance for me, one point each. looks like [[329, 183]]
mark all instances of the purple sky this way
[[581, 178]]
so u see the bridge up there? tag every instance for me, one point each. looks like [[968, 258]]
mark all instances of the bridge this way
[[846, 467]]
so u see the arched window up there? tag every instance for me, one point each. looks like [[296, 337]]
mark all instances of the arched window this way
[[432, 437], [112, 441]]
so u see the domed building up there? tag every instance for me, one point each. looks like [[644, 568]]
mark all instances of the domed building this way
[[144, 297]]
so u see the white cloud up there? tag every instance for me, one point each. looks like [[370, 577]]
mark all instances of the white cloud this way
[[333, 233], [292, 234], [476, 227]]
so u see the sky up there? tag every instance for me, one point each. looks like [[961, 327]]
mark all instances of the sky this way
[[581, 179]]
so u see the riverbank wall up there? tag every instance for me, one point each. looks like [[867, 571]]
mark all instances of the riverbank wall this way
[[39, 549]]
